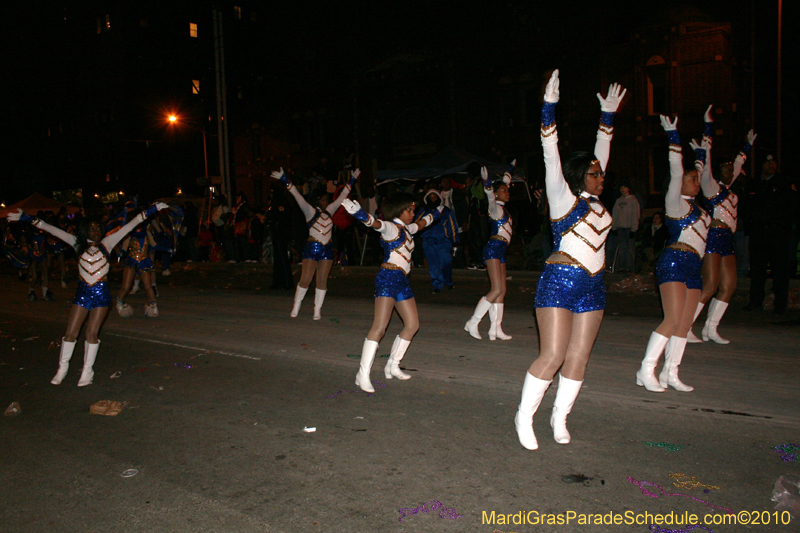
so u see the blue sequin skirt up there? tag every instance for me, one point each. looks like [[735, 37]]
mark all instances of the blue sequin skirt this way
[[145, 265], [97, 295], [720, 241], [393, 284], [316, 251], [570, 287], [495, 249], [681, 266]]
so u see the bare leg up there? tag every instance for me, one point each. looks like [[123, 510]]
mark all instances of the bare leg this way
[[127, 282], [76, 317], [687, 313], [307, 273], [711, 275], [148, 279], [584, 332], [673, 300], [384, 306], [555, 330], [323, 271]]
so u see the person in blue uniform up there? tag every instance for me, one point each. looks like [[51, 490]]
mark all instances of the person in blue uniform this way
[[93, 296], [570, 297], [438, 241], [138, 262], [678, 270], [392, 288]]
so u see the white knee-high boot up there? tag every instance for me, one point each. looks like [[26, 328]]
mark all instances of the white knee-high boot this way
[[496, 318], [716, 309], [672, 360], [691, 338], [533, 390], [392, 368], [568, 390], [299, 294], [319, 297], [89, 357], [646, 376], [481, 309], [63, 361], [368, 352]]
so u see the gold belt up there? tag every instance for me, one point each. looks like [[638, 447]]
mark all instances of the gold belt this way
[[499, 238], [392, 266]]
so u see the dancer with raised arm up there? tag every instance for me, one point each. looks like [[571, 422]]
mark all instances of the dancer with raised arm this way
[[139, 261], [93, 296], [571, 297], [494, 257], [318, 251], [678, 267], [392, 288], [719, 261]]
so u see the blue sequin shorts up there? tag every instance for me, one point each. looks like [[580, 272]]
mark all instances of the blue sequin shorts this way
[[720, 241], [572, 288], [316, 251], [495, 249], [393, 284], [681, 266], [145, 265], [97, 295]]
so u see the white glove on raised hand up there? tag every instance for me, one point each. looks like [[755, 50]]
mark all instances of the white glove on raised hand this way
[[14, 217], [485, 177], [161, 206], [707, 117], [611, 102], [694, 145], [351, 206], [276, 174], [751, 137], [551, 93], [667, 125]]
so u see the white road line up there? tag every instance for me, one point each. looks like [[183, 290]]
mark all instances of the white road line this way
[[242, 356]]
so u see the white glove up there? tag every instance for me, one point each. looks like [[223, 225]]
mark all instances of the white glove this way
[[707, 117], [667, 125], [440, 208], [485, 177], [276, 174], [694, 145], [351, 206], [161, 206], [14, 217], [551, 93], [751, 137], [610, 103]]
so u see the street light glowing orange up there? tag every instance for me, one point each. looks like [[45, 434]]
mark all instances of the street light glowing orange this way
[[172, 118]]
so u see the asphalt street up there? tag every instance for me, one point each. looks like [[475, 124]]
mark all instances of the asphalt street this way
[[222, 384]]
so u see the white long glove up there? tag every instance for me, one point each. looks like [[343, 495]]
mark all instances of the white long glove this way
[[551, 93], [611, 102], [667, 125], [14, 217], [708, 117]]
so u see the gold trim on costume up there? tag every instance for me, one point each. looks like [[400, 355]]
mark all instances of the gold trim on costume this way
[[576, 264]]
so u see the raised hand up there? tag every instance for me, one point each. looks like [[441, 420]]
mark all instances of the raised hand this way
[[161, 206], [351, 206], [667, 125], [751, 137], [20, 216], [485, 177], [611, 102], [281, 176], [353, 177], [551, 93], [707, 117]]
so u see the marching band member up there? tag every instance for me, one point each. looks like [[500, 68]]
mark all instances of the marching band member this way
[[93, 296], [318, 251], [392, 288], [571, 297]]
